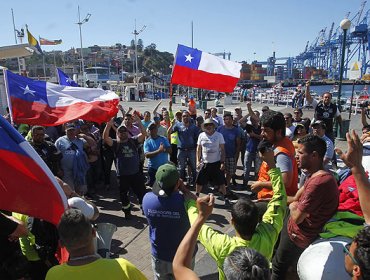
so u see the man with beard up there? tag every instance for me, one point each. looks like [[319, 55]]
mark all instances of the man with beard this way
[[314, 204], [273, 131]]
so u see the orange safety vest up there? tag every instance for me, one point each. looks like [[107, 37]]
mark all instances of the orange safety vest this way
[[283, 146]]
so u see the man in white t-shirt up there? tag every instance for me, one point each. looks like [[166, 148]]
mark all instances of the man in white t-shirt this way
[[211, 159], [289, 127]]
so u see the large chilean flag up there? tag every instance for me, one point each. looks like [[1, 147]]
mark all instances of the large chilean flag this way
[[199, 69], [27, 185], [42, 103]]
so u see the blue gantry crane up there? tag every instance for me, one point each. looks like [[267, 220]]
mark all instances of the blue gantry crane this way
[[325, 51]]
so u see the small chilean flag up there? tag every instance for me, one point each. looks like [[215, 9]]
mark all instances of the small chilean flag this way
[[42, 103], [199, 69], [27, 185]]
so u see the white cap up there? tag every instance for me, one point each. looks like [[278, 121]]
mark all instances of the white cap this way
[[324, 259], [80, 204]]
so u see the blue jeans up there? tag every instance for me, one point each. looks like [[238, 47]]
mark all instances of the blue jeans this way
[[250, 157], [183, 157], [163, 269]]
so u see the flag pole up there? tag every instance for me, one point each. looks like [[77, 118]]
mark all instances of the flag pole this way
[[16, 42], [8, 96]]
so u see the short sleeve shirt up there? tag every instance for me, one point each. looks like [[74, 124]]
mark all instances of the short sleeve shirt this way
[[187, 135], [151, 145], [210, 144], [230, 136], [127, 157], [319, 200]]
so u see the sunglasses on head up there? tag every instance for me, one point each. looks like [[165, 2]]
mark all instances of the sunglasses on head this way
[[347, 252]]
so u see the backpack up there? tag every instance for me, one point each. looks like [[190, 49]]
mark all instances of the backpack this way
[[46, 240]]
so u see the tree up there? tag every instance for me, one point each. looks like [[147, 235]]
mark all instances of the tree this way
[[150, 50]]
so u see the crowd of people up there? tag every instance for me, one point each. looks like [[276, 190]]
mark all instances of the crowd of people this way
[[171, 161]]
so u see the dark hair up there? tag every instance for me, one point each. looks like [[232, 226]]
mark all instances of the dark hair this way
[[366, 128], [274, 120], [245, 216], [362, 252], [207, 110], [327, 92], [228, 115], [37, 127], [74, 229], [288, 115], [128, 115], [313, 143], [246, 263], [146, 112]]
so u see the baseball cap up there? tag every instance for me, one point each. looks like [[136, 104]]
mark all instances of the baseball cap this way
[[156, 119], [152, 125], [69, 126], [122, 126], [321, 123], [165, 180]]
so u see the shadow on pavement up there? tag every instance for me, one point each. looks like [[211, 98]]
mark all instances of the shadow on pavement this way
[[137, 222]]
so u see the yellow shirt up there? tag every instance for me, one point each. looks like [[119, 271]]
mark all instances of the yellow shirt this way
[[28, 241], [107, 269]]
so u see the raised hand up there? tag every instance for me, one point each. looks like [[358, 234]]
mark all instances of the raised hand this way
[[205, 206]]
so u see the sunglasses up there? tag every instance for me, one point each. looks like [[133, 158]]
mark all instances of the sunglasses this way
[[347, 252]]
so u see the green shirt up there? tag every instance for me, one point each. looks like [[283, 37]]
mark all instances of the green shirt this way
[[219, 245]]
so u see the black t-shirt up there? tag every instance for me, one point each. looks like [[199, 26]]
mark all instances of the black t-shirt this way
[[326, 114], [127, 157]]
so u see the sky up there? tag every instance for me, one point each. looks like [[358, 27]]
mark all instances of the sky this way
[[247, 29]]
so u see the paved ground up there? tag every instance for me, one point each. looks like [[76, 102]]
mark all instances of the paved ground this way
[[131, 241]]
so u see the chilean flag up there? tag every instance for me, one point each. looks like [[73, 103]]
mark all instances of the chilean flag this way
[[65, 80], [27, 185], [199, 69], [42, 103]]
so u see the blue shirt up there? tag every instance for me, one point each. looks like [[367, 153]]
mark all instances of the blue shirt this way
[[252, 142], [188, 136], [151, 145], [168, 223], [230, 135], [67, 148]]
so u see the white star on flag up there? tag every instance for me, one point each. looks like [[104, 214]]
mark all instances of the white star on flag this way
[[68, 80], [27, 90], [188, 58]]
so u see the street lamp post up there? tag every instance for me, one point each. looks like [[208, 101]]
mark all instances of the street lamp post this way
[[136, 68], [86, 19], [345, 25]]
